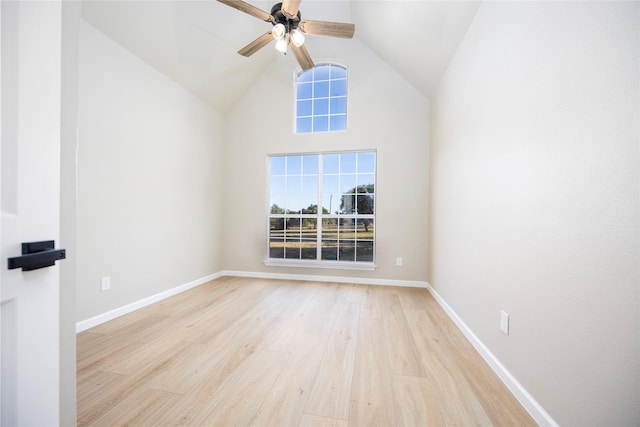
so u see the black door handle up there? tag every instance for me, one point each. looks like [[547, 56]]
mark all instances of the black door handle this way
[[37, 255]]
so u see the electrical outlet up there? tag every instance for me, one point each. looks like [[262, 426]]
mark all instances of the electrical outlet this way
[[399, 261], [105, 284], [504, 322]]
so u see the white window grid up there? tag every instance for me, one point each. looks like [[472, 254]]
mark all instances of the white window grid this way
[[319, 218]]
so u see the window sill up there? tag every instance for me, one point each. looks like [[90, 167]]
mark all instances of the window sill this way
[[336, 265]]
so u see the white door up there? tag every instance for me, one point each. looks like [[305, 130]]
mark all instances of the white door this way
[[30, 74]]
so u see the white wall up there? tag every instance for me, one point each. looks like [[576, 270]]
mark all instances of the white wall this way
[[384, 113], [149, 187], [535, 210]]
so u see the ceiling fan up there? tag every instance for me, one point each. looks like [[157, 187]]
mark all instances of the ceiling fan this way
[[289, 29]]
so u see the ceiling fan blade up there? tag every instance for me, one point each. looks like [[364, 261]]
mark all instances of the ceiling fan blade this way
[[256, 45], [290, 8], [302, 55], [248, 8], [325, 28]]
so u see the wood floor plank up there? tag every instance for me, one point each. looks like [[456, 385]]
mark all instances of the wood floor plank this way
[[133, 383], [310, 420], [371, 306], [453, 396], [298, 310], [403, 354], [285, 403], [92, 389], [330, 395], [143, 329], [241, 402], [416, 402], [142, 408], [371, 391], [498, 403], [100, 350]]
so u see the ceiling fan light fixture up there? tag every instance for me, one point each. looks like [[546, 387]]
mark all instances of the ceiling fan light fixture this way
[[281, 45], [297, 37], [278, 31]]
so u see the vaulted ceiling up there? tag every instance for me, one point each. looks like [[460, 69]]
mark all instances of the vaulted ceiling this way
[[195, 42]]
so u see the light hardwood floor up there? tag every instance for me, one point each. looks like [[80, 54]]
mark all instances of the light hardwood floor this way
[[240, 351]]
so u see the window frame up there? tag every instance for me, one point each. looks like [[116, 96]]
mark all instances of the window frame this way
[[297, 73], [320, 217]]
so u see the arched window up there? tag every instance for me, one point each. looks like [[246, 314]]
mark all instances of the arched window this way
[[321, 99]]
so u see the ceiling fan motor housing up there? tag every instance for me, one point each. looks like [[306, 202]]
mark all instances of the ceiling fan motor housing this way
[[280, 18]]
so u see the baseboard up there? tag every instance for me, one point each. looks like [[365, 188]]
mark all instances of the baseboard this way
[[528, 402], [336, 279], [83, 325]]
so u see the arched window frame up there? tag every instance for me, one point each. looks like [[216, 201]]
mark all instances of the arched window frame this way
[[321, 98]]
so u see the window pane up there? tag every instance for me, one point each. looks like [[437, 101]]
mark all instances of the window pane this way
[[331, 184], [348, 183], [277, 165], [306, 76], [276, 225], [320, 106], [292, 250], [303, 125], [330, 228], [304, 108], [292, 228], [330, 163], [308, 206], [367, 181], [278, 184], [338, 72], [310, 187], [330, 250], [330, 203], [364, 229], [310, 164], [338, 122], [366, 162], [348, 204], [296, 203], [338, 105], [305, 91], [277, 203], [364, 251], [309, 203], [338, 87], [320, 124], [364, 204], [309, 229], [347, 228], [294, 165], [321, 72], [346, 250], [276, 248], [321, 89], [309, 250], [294, 184], [348, 163]]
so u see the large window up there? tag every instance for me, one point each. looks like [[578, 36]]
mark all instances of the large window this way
[[321, 99], [322, 208]]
